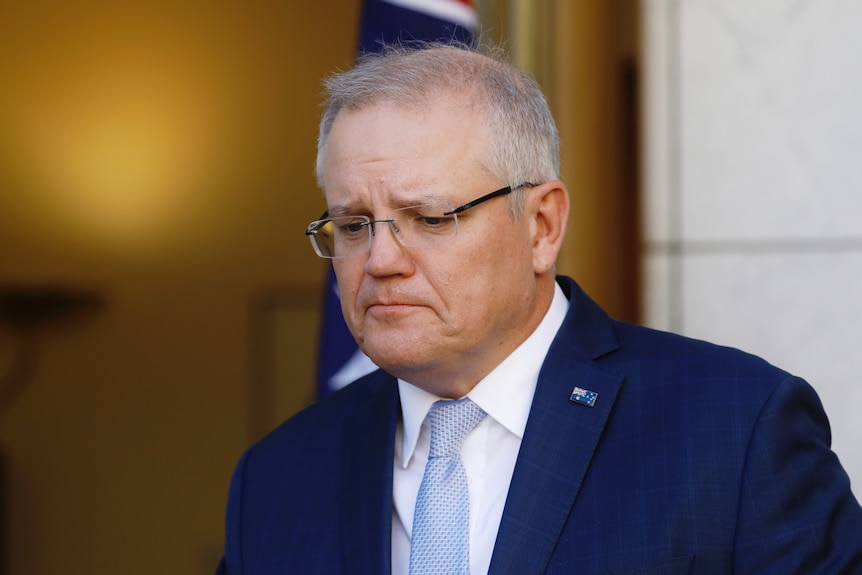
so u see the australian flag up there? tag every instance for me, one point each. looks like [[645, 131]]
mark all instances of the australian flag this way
[[384, 22]]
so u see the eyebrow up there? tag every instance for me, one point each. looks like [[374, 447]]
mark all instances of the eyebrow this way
[[335, 211], [349, 209]]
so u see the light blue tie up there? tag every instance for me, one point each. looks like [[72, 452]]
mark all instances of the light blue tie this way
[[440, 542]]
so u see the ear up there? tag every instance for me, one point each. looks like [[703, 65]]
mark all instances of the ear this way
[[548, 209]]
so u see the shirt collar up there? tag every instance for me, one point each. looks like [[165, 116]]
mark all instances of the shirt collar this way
[[505, 394]]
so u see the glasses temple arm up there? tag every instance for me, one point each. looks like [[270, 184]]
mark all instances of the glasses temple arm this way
[[314, 229], [476, 202]]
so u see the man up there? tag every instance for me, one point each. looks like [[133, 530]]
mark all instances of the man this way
[[592, 446]]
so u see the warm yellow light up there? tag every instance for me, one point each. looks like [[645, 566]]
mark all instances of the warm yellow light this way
[[119, 154], [122, 153]]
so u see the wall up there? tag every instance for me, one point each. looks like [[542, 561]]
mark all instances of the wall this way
[[753, 124], [162, 154]]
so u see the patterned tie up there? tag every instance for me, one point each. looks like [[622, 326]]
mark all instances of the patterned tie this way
[[440, 543]]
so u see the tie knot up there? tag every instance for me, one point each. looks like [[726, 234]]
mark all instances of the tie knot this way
[[451, 421]]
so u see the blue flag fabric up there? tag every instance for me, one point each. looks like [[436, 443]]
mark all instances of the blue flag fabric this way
[[383, 22]]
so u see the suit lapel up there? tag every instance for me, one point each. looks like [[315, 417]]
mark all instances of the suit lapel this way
[[366, 480], [559, 440]]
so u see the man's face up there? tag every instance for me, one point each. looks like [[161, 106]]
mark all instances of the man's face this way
[[440, 317]]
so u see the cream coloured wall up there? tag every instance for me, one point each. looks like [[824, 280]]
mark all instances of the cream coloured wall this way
[[753, 133]]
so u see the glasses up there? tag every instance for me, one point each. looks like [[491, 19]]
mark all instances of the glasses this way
[[421, 226]]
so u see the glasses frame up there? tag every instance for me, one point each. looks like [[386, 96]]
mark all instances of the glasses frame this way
[[312, 230]]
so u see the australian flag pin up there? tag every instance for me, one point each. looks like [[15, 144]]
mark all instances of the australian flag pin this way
[[584, 396]]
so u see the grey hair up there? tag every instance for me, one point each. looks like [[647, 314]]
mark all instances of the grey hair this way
[[523, 140]]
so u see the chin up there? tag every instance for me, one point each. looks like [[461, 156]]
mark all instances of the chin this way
[[396, 358]]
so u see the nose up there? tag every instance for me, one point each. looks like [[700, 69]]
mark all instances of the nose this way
[[386, 256]]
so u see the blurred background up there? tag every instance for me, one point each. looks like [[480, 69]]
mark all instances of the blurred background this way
[[160, 307]]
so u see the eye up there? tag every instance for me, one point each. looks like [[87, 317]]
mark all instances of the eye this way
[[429, 219], [433, 221], [350, 227], [434, 225], [353, 227]]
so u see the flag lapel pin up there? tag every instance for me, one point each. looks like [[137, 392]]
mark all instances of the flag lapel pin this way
[[584, 396]]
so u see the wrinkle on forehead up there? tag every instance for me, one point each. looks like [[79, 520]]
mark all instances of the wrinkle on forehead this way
[[393, 203], [384, 157]]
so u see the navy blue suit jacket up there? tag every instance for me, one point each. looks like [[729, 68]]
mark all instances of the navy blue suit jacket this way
[[694, 459]]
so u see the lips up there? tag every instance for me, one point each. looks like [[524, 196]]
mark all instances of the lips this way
[[390, 306], [382, 301], [388, 301]]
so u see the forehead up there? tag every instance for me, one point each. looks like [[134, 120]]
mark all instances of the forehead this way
[[385, 146]]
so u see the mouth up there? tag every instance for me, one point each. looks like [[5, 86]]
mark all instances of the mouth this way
[[390, 305], [390, 308]]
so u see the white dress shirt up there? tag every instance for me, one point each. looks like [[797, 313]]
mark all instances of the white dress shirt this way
[[489, 452]]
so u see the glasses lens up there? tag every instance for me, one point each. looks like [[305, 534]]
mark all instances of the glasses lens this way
[[425, 225], [339, 237], [416, 226]]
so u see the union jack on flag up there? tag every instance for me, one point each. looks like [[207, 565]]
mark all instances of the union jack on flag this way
[[584, 396]]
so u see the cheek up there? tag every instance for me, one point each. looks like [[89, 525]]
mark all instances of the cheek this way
[[348, 278], [464, 288], [510, 274]]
